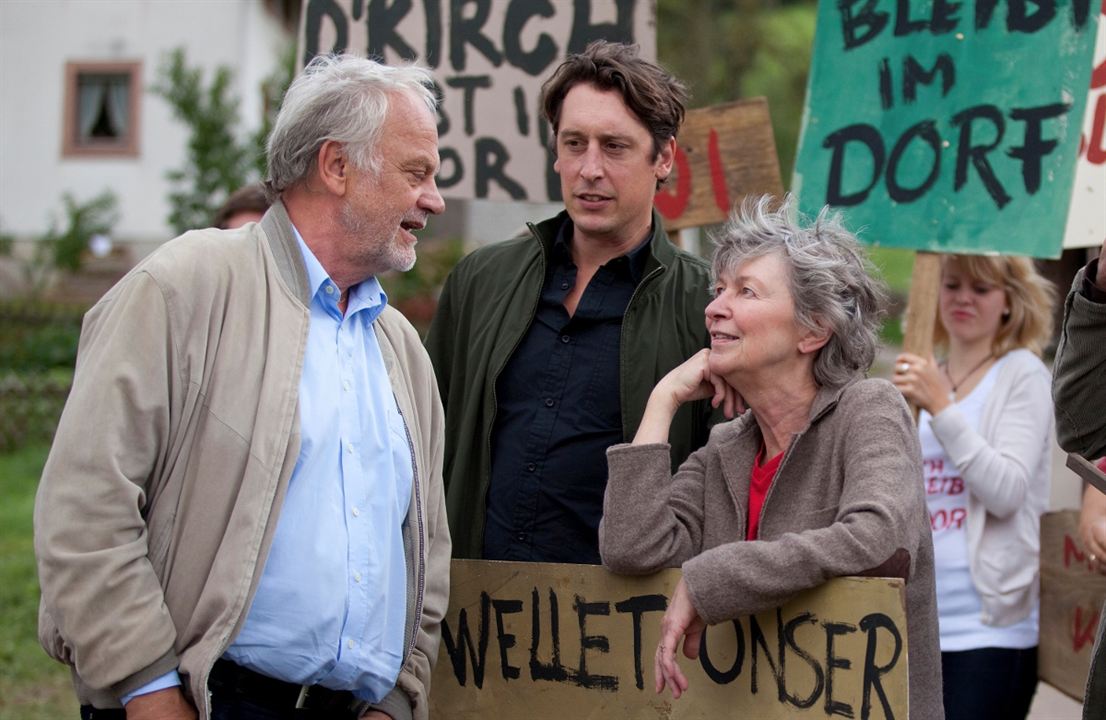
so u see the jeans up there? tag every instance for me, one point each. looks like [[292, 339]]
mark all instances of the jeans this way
[[989, 683]]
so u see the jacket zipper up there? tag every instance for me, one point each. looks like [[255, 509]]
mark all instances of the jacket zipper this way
[[421, 537]]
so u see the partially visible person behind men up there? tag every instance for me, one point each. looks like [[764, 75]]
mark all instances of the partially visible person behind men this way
[[242, 511], [546, 346], [1079, 394], [245, 205]]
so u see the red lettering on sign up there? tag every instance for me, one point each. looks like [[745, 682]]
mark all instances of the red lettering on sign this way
[[1071, 550], [956, 486], [672, 205], [717, 173], [1083, 633], [956, 518], [1096, 147]]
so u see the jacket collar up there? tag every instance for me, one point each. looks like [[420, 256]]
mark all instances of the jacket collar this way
[[824, 402], [286, 250], [661, 251]]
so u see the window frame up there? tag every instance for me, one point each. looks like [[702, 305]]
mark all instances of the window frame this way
[[71, 146]]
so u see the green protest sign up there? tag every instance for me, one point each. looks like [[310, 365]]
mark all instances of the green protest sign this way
[[947, 126]]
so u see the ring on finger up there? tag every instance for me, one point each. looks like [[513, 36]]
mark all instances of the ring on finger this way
[[1093, 557], [902, 367]]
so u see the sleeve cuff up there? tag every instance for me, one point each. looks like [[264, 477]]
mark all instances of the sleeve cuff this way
[[168, 680]]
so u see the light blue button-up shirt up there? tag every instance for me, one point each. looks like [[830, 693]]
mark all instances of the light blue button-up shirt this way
[[332, 601]]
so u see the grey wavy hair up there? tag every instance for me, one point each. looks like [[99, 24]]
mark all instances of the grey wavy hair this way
[[342, 98], [830, 278]]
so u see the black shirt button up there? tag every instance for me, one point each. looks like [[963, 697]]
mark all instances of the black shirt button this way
[[564, 285], [521, 537], [566, 339], [549, 402], [531, 467]]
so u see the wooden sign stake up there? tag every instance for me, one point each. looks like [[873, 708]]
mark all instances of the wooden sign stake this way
[[921, 307]]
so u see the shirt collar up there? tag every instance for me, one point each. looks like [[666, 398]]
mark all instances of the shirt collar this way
[[365, 295], [634, 261]]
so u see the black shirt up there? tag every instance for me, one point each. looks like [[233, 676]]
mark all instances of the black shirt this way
[[558, 410]]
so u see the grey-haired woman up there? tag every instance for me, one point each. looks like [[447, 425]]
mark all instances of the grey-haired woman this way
[[823, 471]]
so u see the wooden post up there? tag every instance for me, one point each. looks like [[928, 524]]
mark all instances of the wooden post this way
[[921, 307]]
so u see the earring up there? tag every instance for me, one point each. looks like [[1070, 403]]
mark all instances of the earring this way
[[1006, 313]]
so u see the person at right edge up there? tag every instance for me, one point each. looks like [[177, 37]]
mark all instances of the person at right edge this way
[[1079, 394], [986, 436]]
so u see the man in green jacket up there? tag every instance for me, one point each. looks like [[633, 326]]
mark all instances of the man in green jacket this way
[[546, 346]]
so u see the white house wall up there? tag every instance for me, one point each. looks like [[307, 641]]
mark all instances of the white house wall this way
[[38, 37]]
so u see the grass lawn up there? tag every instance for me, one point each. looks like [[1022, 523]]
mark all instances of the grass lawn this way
[[32, 686]]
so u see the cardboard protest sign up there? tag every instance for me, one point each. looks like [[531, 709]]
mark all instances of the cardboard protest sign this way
[[554, 641], [948, 127], [1072, 593], [1087, 216], [724, 152], [489, 60]]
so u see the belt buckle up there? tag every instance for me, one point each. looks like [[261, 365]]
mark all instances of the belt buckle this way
[[301, 701]]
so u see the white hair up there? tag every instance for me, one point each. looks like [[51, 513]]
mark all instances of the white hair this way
[[343, 98]]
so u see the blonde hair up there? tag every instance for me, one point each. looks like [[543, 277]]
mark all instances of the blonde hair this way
[[1031, 299]]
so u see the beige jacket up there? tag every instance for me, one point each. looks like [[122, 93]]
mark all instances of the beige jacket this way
[[161, 493]]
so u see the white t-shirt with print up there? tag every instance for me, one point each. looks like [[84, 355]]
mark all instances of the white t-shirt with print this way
[[958, 603]]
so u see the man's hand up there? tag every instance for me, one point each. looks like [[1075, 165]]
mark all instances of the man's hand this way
[[167, 704], [1092, 527], [376, 715]]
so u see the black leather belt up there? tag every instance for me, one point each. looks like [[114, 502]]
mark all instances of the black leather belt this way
[[229, 680]]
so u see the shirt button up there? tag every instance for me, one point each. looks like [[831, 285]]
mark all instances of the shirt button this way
[[349, 644], [356, 511], [549, 402], [329, 289], [564, 286], [357, 577], [349, 447], [531, 467], [521, 537], [345, 385], [566, 339]]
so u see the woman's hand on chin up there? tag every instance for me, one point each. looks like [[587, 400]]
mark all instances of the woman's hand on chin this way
[[694, 380]]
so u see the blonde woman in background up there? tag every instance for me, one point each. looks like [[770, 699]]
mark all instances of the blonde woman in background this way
[[986, 431]]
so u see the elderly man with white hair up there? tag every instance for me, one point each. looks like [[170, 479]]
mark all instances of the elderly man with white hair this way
[[242, 514]]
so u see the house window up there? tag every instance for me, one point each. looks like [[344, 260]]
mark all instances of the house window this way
[[101, 109]]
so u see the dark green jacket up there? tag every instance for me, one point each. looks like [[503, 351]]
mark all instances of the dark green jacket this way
[[487, 305]]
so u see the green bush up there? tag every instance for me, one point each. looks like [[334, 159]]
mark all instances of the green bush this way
[[37, 336]]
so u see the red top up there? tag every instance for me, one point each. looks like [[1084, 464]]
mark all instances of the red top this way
[[758, 489]]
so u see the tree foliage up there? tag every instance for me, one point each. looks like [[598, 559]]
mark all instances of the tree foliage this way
[[218, 162], [730, 49]]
